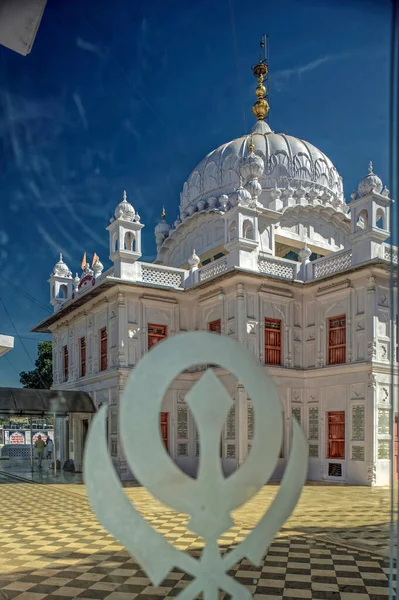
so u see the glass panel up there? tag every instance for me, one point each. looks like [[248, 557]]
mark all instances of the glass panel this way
[[231, 424], [250, 421], [314, 450], [182, 449], [383, 449], [230, 451], [357, 452], [383, 421], [358, 422], [182, 423], [296, 412], [314, 423]]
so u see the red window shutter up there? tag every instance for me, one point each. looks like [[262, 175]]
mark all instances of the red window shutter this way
[[215, 326], [156, 333], [164, 422], [336, 435], [337, 340], [272, 341], [103, 349]]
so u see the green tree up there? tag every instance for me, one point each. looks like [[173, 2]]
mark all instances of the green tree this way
[[42, 376]]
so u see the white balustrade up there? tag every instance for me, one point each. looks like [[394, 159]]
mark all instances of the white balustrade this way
[[338, 261], [160, 275], [278, 267], [213, 269], [391, 253]]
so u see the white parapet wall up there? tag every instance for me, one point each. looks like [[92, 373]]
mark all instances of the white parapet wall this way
[[6, 343]]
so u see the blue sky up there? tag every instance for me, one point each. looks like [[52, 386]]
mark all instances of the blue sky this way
[[133, 98]]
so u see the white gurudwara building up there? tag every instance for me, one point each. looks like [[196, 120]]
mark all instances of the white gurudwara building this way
[[267, 251]]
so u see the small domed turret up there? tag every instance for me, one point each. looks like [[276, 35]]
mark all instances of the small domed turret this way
[[370, 183], [124, 210], [61, 269], [162, 229]]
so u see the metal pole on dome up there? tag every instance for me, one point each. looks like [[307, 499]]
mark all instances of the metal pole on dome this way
[[31, 444], [54, 449]]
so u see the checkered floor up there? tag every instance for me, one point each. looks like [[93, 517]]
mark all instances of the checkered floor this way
[[52, 546]]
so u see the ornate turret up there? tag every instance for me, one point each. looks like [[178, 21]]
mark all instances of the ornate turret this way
[[61, 284], [124, 241], [162, 229]]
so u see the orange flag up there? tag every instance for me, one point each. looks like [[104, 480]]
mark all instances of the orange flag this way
[[95, 260], [84, 261]]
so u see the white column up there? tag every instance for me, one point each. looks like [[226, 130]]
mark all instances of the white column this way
[[122, 330], [371, 315], [241, 325], [242, 424], [241, 400]]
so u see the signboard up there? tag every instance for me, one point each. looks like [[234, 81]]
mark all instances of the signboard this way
[[16, 437]]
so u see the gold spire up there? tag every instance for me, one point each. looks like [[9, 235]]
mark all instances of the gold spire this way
[[261, 106], [163, 213], [251, 144]]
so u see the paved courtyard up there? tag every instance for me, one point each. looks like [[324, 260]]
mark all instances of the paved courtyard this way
[[334, 546]]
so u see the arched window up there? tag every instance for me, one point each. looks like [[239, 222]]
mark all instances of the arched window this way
[[248, 230], [363, 218], [380, 218], [53, 290], [63, 293], [115, 242], [129, 241], [232, 230]]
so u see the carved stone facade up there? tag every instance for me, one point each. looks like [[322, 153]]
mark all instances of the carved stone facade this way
[[253, 216]]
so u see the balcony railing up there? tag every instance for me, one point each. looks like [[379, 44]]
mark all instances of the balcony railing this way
[[213, 269], [278, 267], [332, 264], [167, 276], [391, 253]]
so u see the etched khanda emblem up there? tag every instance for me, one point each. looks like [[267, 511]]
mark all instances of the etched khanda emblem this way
[[210, 498]]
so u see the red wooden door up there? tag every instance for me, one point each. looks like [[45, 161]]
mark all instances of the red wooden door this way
[[395, 448], [336, 435], [164, 421], [272, 342]]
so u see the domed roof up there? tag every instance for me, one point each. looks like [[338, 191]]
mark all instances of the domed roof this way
[[162, 227], [124, 210], [61, 269], [288, 163], [370, 183]]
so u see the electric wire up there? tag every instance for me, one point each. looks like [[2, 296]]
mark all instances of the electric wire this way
[[26, 294], [22, 343]]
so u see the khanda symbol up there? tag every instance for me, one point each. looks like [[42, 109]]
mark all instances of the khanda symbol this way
[[210, 498]]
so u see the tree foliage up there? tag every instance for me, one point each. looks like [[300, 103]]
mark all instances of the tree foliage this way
[[42, 376]]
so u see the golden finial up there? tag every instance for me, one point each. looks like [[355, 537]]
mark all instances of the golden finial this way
[[261, 106], [163, 213], [251, 144]]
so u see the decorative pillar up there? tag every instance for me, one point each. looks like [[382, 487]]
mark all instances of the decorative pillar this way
[[241, 399], [349, 335], [242, 424], [241, 314], [371, 312], [122, 329], [372, 449]]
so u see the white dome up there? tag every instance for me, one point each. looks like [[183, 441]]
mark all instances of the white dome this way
[[288, 163], [370, 183], [124, 210], [61, 269]]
